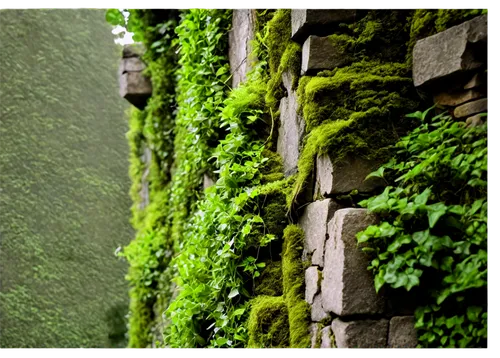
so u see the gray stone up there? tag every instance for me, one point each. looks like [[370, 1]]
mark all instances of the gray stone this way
[[287, 79], [312, 283], [471, 108], [326, 337], [451, 52], [133, 50], [320, 53], [307, 22], [135, 88], [347, 287], [474, 121], [314, 222], [207, 181], [455, 99], [402, 333], [131, 64], [345, 176], [240, 49], [317, 312], [290, 133], [360, 334], [313, 331]]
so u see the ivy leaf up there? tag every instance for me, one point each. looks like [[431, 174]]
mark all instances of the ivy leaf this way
[[434, 212], [379, 173], [234, 292]]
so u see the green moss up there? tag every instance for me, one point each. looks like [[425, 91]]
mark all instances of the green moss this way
[[270, 282], [268, 317], [294, 287]]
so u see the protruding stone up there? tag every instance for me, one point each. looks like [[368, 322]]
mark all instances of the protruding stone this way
[[478, 79], [131, 64], [326, 337], [290, 133], [451, 52], [135, 88], [320, 53], [312, 283], [455, 99], [345, 176], [317, 22], [360, 334], [133, 50], [314, 222], [471, 108], [317, 312], [240, 48], [402, 333], [313, 332], [474, 121], [347, 287]]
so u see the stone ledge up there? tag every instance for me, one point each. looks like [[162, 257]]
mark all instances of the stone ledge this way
[[307, 22], [319, 53], [360, 334]]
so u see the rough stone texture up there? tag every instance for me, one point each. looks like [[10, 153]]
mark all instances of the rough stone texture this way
[[313, 332], [286, 78], [402, 333], [471, 108], [448, 53], [317, 22], [317, 312], [347, 286], [319, 53], [474, 121], [131, 64], [312, 283], [455, 99], [478, 79], [360, 334], [135, 88], [314, 222], [326, 340], [290, 133], [240, 36], [133, 50], [345, 176]]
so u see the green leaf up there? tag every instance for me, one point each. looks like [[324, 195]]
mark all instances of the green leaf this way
[[379, 173], [234, 292], [434, 212]]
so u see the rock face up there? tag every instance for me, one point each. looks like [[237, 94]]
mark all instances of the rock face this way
[[131, 64], [345, 176], [471, 108], [134, 86], [239, 44], [313, 332], [402, 333], [457, 98], [451, 52], [360, 334], [317, 312], [326, 337], [319, 53], [317, 22], [347, 287], [312, 283]]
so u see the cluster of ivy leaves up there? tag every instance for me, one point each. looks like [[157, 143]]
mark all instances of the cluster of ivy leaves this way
[[432, 238]]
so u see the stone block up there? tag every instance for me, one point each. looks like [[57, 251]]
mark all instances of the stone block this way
[[402, 333], [477, 80], [451, 52], [135, 88], [133, 50], [345, 176], [319, 53], [131, 64], [457, 98], [471, 108], [360, 334], [312, 283], [326, 337], [290, 133], [313, 332], [317, 312], [307, 22], [347, 287], [474, 121], [314, 222], [240, 49]]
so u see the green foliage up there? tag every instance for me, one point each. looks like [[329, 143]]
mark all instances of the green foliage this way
[[63, 181], [267, 321], [432, 237]]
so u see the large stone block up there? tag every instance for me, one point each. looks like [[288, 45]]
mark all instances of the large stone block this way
[[345, 176], [290, 133], [318, 314], [456, 98], [320, 53], [240, 49], [452, 52], [307, 22], [135, 88], [326, 337], [471, 108], [347, 287], [312, 283], [402, 333], [314, 222], [131, 64], [360, 334]]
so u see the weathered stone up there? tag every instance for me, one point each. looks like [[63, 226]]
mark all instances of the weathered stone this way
[[313, 332], [133, 50], [317, 22], [326, 337], [135, 88], [287, 79], [347, 287], [207, 181], [240, 49], [478, 79], [471, 108], [314, 222], [312, 283], [451, 52], [290, 133], [455, 99], [317, 312], [131, 64], [474, 121], [345, 175], [319, 53], [402, 333], [360, 334]]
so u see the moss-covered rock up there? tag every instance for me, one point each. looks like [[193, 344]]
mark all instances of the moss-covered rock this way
[[267, 322]]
